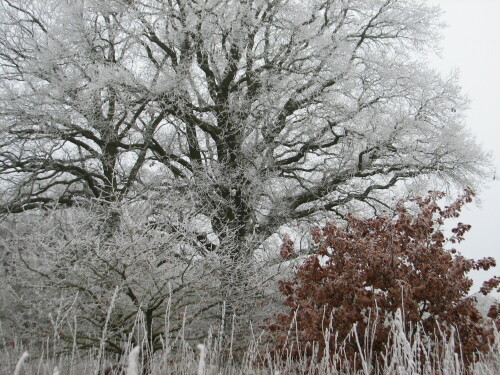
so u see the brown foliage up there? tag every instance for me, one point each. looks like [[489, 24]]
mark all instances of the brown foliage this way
[[377, 265], [286, 249]]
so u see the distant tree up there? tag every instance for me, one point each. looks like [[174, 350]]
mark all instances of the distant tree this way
[[364, 271], [232, 119]]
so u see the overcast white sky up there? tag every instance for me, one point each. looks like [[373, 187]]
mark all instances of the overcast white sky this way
[[472, 45]]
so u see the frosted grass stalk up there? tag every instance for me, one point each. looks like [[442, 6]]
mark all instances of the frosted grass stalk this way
[[20, 363], [201, 363], [133, 361]]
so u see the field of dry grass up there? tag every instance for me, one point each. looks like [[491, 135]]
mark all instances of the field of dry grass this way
[[415, 355]]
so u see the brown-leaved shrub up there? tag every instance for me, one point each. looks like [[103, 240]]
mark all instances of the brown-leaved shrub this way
[[364, 270]]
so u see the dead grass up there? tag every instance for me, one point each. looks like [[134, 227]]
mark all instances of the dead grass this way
[[405, 356]]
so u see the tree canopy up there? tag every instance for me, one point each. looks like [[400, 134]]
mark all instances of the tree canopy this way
[[263, 112]]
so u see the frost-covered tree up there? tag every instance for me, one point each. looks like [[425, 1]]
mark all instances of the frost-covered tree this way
[[233, 118], [63, 282]]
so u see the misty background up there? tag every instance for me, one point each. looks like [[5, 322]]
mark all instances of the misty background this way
[[471, 45]]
